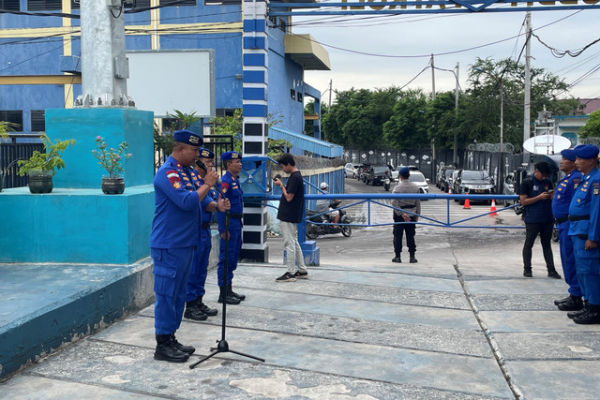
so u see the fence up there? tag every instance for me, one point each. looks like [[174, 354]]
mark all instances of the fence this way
[[16, 147], [218, 144]]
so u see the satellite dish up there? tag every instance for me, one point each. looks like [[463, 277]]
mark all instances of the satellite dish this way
[[546, 144]]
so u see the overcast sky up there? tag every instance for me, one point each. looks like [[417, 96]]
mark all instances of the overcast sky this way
[[425, 34]]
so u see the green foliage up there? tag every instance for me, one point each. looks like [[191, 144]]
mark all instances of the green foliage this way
[[184, 120], [229, 125], [6, 127], [51, 160], [276, 148], [163, 141], [385, 118], [111, 159], [592, 126]]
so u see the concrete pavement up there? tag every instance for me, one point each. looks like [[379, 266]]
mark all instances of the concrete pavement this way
[[461, 324]]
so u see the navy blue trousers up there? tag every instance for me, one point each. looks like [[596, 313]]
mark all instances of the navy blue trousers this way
[[197, 278], [234, 248], [567, 258]]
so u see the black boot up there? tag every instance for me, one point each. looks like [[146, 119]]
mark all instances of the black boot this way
[[557, 302], [230, 292], [211, 312], [527, 272], [592, 316], [573, 303], [180, 347], [224, 296], [397, 259], [553, 274], [413, 259], [573, 314], [193, 311], [167, 351]]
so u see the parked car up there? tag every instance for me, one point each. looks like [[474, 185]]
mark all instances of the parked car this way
[[509, 188], [470, 181], [393, 176], [376, 174], [361, 172], [445, 179], [351, 170], [419, 179]]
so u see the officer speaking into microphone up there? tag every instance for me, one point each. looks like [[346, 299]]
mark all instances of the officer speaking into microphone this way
[[584, 230], [175, 235]]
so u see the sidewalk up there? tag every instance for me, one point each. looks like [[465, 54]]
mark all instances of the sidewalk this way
[[461, 324]]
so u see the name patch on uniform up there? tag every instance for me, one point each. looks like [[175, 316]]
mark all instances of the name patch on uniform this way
[[596, 187], [173, 177]]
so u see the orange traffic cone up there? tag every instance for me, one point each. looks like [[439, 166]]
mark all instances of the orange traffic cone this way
[[449, 189], [493, 212], [467, 204]]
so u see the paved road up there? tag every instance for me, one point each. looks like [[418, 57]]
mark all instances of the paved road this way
[[461, 324]]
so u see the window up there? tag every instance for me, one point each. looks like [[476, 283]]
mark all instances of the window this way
[[38, 120], [43, 5], [14, 117], [300, 97], [75, 4], [141, 3], [224, 112], [12, 5], [293, 94], [181, 3]]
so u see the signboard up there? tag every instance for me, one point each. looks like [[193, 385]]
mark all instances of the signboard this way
[[167, 80], [546, 144]]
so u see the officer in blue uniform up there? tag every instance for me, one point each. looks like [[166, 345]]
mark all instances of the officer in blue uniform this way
[[560, 209], [195, 308], [584, 230], [232, 190], [177, 194]]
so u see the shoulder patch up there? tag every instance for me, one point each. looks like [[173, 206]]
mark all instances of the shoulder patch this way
[[173, 177]]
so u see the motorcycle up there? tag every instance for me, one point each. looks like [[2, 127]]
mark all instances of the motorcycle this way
[[313, 231]]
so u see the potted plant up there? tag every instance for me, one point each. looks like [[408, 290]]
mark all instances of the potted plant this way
[[41, 167], [112, 160]]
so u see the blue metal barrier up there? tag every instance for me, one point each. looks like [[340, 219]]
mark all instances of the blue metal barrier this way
[[376, 198]]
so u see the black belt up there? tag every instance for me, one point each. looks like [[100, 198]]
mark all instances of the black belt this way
[[561, 220], [582, 237], [578, 217], [407, 207], [236, 216], [205, 225]]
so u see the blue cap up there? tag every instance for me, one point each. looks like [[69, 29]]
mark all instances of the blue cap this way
[[203, 152], [231, 155], [188, 137], [568, 154], [405, 172], [586, 151]]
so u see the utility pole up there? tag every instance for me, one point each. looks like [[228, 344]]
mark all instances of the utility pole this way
[[455, 152], [330, 83], [527, 105], [433, 167], [500, 155]]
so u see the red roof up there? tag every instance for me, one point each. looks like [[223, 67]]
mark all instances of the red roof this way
[[590, 105]]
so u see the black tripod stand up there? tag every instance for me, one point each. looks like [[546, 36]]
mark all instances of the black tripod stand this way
[[223, 346]]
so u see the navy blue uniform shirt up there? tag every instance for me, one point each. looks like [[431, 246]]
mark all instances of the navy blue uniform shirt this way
[[177, 206], [586, 202], [230, 189], [564, 193], [540, 211]]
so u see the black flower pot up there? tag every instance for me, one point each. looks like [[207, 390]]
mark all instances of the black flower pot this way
[[40, 182], [113, 185]]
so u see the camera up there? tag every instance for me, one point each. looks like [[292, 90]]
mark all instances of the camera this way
[[201, 165], [277, 177]]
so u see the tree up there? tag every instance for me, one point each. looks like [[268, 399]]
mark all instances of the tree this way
[[407, 127], [592, 126]]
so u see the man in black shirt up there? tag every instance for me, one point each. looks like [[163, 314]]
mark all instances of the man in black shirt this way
[[291, 206], [536, 196]]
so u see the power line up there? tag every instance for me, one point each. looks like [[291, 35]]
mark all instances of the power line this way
[[561, 53]]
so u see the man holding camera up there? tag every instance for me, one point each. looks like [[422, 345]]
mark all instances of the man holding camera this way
[[291, 206], [535, 196]]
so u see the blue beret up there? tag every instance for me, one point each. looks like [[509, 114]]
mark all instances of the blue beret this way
[[405, 172], [568, 154], [188, 137], [205, 153], [586, 151], [231, 155]]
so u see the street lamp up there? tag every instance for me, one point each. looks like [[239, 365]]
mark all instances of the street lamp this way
[[455, 141]]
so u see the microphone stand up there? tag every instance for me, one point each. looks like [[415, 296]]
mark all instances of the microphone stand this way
[[222, 345]]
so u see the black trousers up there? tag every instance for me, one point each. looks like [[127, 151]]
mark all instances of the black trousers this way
[[399, 232], [545, 232]]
